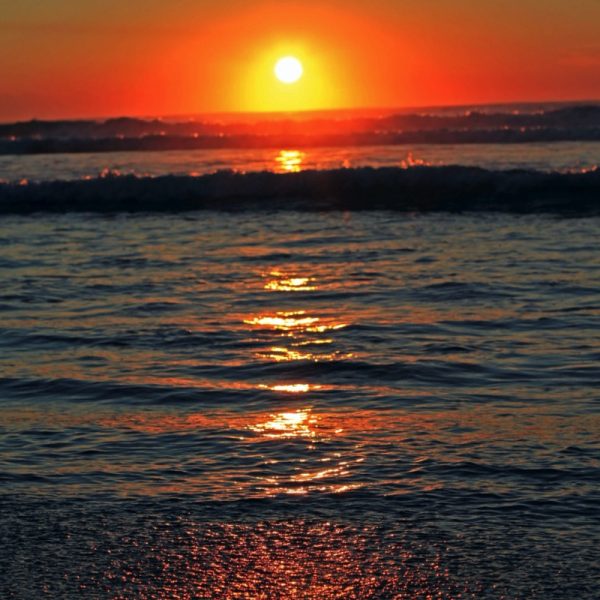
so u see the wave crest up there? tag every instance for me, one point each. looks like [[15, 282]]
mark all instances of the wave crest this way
[[418, 189]]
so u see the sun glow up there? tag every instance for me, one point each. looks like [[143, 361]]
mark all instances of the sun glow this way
[[288, 69]]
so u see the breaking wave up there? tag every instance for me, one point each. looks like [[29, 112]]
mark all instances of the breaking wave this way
[[419, 188]]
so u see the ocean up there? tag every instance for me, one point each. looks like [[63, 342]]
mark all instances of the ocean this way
[[363, 371]]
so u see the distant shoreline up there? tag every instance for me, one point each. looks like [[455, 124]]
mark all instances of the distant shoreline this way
[[569, 123], [526, 106]]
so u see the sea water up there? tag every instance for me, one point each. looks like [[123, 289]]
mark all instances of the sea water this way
[[273, 403]]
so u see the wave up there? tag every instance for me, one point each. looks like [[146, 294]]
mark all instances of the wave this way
[[569, 123], [415, 189]]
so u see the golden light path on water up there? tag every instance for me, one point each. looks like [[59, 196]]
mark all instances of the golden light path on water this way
[[297, 336], [289, 161], [299, 328], [281, 283], [287, 425], [292, 388], [303, 424], [295, 321], [297, 332]]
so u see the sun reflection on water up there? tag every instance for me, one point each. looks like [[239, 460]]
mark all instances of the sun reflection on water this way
[[301, 328], [295, 424], [292, 388], [295, 321], [289, 161], [282, 282], [285, 354], [330, 475], [291, 284], [284, 321]]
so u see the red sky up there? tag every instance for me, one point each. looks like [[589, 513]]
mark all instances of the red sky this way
[[68, 59]]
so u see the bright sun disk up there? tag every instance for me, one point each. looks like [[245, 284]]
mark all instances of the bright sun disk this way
[[288, 69]]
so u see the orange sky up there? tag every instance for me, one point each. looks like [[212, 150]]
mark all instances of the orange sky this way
[[67, 58]]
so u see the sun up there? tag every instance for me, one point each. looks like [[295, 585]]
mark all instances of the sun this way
[[288, 69]]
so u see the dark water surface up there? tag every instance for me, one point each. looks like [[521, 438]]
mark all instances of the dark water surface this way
[[300, 405]]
